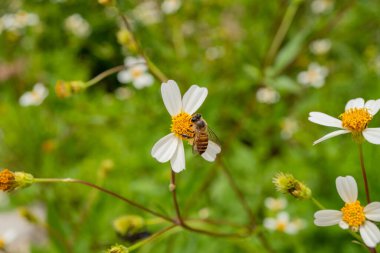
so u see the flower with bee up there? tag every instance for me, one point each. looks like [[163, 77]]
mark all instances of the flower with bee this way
[[186, 125]]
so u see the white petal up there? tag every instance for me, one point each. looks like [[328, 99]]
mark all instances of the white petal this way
[[178, 160], [324, 119], [164, 149], [172, 97], [347, 188], [372, 135], [41, 90], [194, 98], [124, 76], [373, 106], [212, 150], [343, 225], [330, 135], [372, 211], [324, 218], [270, 223], [370, 234], [283, 217], [354, 103], [27, 99], [143, 81]]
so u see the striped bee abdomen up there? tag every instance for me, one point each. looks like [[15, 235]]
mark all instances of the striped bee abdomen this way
[[201, 142]]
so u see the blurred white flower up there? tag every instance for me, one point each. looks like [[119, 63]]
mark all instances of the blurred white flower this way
[[283, 224], [77, 25], [18, 20], [147, 12], [274, 204], [123, 93], [17, 234], [170, 6], [355, 119], [214, 53], [34, 97], [321, 6], [136, 73], [314, 76], [267, 95], [352, 215], [170, 147], [319, 47], [289, 126]]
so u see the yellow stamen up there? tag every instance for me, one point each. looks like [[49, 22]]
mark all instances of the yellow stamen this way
[[136, 72], [356, 119], [2, 244], [182, 126], [7, 180], [353, 214], [280, 226]]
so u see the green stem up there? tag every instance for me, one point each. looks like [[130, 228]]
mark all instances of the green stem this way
[[282, 30], [130, 202], [364, 173], [104, 74], [175, 201], [151, 238], [317, 203]]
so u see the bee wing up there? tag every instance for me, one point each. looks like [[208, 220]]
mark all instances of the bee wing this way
[[194, 149], [212, 136]]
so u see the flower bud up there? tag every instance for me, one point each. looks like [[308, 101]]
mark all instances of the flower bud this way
[[65, 89], [117, 249], [286, 183], [10, 181], [128, 224], [125, 38]]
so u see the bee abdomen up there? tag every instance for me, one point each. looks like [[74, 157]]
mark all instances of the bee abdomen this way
[[202, 143]]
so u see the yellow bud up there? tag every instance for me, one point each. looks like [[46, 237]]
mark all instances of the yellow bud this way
[[125, 38], [65, 89], [128, 224], [286, 183], [117, 249], [10, 181]]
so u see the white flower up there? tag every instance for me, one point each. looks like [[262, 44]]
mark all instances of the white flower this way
[[275, 204], [321, 6], [355, 119], [136, 72], [77, 25], [282, 223], [319, 47], [314, 76], [147, 13], [171, 147], [34, 97], [352, 215], [289, 126], [170, 6], [267, 95]]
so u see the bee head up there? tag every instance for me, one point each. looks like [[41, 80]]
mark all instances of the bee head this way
[[196, 117]]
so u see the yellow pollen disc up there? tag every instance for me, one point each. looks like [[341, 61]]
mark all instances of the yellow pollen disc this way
[[6, 180], [281, 226], [353, 214], [136, 73], [2, 244], [182, 126], [356, 119]]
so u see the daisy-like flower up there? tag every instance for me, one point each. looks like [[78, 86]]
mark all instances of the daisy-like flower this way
[[170, 147], [314, 76], [136, 72], [282, 223], [355, 119], [320, 47], [275, 204], [77, 25], [352, 215], [34, 97]]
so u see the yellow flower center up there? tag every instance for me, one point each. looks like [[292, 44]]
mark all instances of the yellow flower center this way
[[353, 214], [136, 72], [182, 126], [356, 119], [280, 226], [2, 244], [7, 179]]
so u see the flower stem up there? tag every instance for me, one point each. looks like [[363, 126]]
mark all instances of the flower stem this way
[[364, 173], [175, 201], [104, 74], [317, 203], [282, 30], [151, 238], [77, 181]]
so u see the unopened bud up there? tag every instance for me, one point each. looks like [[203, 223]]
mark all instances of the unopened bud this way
[[128, 224], [118, 249], [125, 38], [286, 183], [65, 89], [10, 181]]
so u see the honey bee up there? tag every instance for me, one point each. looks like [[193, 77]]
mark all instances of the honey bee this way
[[202, 134]]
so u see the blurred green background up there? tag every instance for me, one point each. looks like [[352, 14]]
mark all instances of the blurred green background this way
[[257, 105]]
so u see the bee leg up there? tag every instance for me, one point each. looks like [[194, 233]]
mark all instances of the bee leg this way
[[186, 136]]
